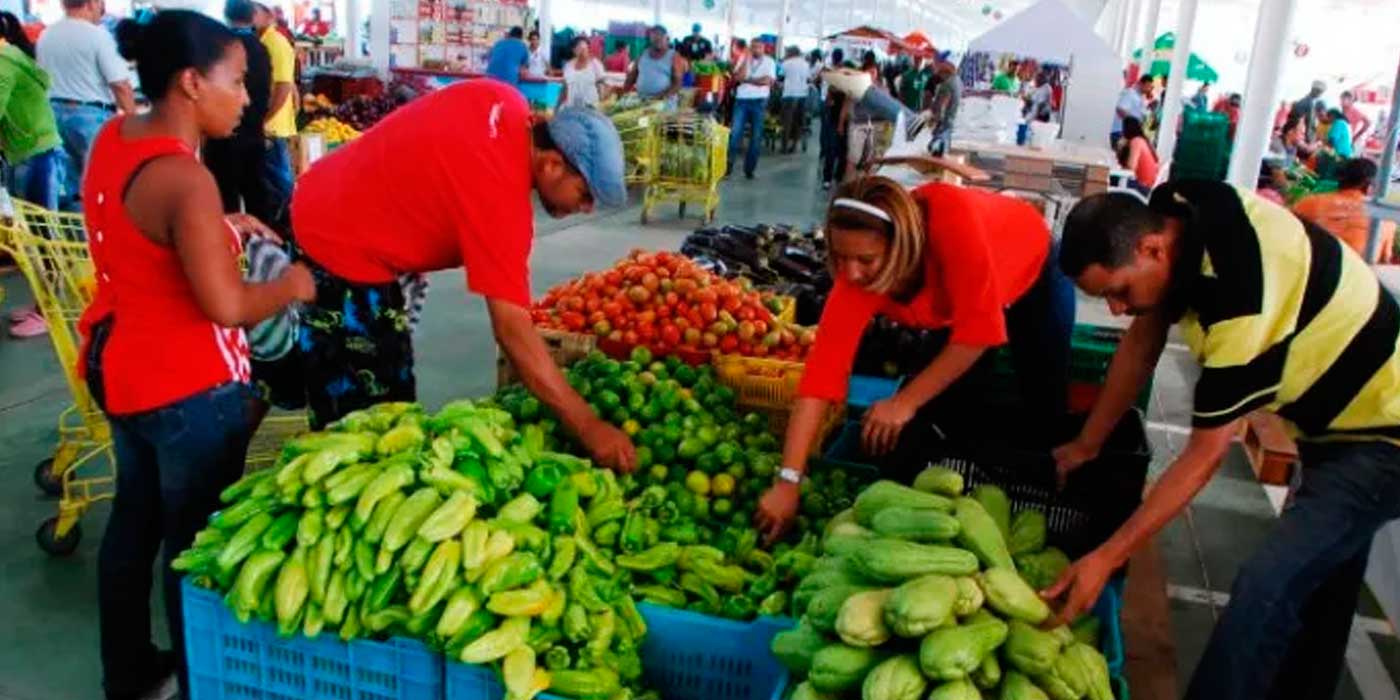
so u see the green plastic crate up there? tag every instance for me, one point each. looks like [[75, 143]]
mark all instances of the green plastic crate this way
[[1091, 352]]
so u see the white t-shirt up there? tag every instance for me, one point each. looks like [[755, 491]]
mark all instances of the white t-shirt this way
[[796, 73], [82, 59], [1132, 103], [583, 83], [539, 64], [762, 67]]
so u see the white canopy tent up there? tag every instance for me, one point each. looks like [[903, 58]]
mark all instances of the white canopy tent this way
[[1050, 31]]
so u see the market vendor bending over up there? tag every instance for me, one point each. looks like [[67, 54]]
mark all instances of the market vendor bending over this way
[[976, 263], [1283, 317], [444, 182]]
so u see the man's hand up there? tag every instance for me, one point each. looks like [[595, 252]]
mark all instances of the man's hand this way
[[1079, 586], [883, 423], [776, 510], [609, 447], [1071, 456]]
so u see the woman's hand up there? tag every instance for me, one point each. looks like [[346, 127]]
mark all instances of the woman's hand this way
[[303, 283], [883, 423], [776, 510], [1071, 456]]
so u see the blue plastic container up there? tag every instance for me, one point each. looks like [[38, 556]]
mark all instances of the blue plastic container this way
[[865, 390], [686, 656], [230, 660]]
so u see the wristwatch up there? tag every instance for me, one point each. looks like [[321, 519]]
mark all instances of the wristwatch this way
[[790, 475]]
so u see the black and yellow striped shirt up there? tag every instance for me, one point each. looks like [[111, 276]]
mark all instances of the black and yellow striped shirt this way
[[1284, 317]]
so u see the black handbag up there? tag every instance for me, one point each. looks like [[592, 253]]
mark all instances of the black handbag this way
[[101, 331]]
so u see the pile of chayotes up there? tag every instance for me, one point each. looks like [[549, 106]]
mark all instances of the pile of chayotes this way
[[918, 588], [475, 531]]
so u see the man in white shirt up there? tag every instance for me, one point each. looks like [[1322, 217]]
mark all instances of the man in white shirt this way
[[1131, 103], [797, 76], [756, 72], [539, 63], [91, 81]]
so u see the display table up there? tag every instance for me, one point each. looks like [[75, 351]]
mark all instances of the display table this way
[[544, 92], [1063, 152], [1064, 170]]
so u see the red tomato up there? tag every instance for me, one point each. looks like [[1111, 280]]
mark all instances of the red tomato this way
[[745, 348], [691, 336], [746, 331], [629, 338], [730, 304], [760, 327], [709, 339], [672, 299], [728, 343], [611, 308], [663, 311], [670, 334], [646, 332], [573, 303], [705, 296], [573, 320], [651, 281], [760, 350], [612, 278], [592, 304], [597, 316], [646, 317], [602, 328], [708, 312], [615, 336], [745, 314]]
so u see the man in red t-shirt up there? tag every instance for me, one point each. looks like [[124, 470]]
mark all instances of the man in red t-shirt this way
[[444, 182]]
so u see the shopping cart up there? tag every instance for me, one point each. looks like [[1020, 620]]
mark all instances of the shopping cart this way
[[636, 125], [690, 152], [50, 249]]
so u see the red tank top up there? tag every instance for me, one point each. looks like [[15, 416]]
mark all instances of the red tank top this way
[[162, 348]]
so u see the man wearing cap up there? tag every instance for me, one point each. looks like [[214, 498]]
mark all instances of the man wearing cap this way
[[444, 182], [1303, 109], [696, 47]]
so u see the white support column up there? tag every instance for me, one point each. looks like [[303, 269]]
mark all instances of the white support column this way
[[784, 9], [1392, 141], [1181, 54], [1135, 28], [821, 19], [352, 18], [1120, 24], [1154, 10], [546, 17], [1271, 33], [656, 11], [379, 36], [730, 17]]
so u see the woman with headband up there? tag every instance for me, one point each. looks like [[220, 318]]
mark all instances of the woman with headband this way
[[973, 263]]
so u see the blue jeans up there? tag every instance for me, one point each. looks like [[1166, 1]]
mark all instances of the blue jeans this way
[[39, 180], [277, 177], [1038, 329], [172, 462], [78, 126], [748, 115], [1284, 632]]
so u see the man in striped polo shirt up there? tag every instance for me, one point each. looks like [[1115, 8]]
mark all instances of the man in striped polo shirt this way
[[1282, 317]]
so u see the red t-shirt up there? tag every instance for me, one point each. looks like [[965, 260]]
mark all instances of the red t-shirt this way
[[442, 182], [984, 251]]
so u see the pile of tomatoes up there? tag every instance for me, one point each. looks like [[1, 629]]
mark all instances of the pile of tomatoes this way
[[665, 302]]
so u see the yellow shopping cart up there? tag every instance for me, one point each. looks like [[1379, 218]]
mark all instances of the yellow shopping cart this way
[[50, 249], [689, 154]]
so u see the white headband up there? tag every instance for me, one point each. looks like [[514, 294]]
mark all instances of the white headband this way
[[860, 206]]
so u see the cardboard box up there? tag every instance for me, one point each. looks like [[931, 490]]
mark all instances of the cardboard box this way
[[1094, 187], [1034, 183], [1096, 173]]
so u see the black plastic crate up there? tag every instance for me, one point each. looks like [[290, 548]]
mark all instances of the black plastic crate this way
[[1097, 499]]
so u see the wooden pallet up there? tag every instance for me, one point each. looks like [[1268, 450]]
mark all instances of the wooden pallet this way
[[1271, 452]]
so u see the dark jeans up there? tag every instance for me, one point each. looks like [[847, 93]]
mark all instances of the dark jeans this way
[[39, 180], [794, 120], [1038, 329], [277, 176], [833, 152], [238, 168], [171, 464], [1284, 632], [748, 115], [78, 125]]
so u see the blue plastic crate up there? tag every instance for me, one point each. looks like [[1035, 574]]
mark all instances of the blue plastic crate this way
[[865, 390], [230, 660], [686, 656], [1109, 609]]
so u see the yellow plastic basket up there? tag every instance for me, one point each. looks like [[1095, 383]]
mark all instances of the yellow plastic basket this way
[[770, 387]]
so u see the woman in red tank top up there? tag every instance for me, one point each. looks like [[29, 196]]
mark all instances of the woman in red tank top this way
[[167, 357]]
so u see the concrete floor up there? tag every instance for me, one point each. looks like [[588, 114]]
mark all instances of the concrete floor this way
[[50, 642]]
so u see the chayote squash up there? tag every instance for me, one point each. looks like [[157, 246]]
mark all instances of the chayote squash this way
[[920, 605], [980, 534], [1029, 650], [844, 523], [838, 668], [997, 505], [940, 480], [895, 561], [1084, 670], [1056, 687], [915, 524], [1010, 595], [888, 494], [795, 648], [1027, 532], [805, 691], [1042, 569], [895, 678], [956, 690], [1086, 629], [951, 653], [861, 622], [825, 606], [1015, 686], [830, 571], [988, 675], [970, 596]]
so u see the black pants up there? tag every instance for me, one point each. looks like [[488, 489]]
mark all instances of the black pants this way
[[833, 150], [172, 462], [237, 165]]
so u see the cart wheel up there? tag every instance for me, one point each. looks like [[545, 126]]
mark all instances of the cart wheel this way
[[60, 547], [47, 481]]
